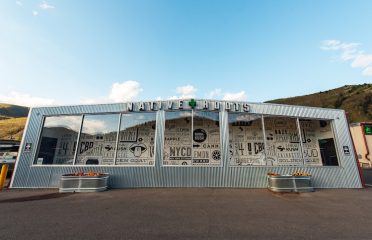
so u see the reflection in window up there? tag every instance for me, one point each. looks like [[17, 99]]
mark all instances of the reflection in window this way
[[58, 140], [282, 141], [177, 138], [246, 140], [136, 139], [187, 144], [318, 143], [98, 139], [206, 139]]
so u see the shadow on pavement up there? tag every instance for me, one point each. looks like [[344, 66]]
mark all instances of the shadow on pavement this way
[[36, 198]]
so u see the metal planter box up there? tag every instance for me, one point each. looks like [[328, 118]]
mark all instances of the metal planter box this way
[[83, 183], [290, 184]]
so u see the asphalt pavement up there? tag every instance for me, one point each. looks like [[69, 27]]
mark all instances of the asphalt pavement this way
[[186, 213]]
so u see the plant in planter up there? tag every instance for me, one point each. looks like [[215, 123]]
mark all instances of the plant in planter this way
[[301, 174], [90, 174], [84, 182], [296, 182]]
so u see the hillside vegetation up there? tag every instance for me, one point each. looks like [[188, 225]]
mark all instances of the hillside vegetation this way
[[12, 111], [12, 121], [356, 100], [12, 128]]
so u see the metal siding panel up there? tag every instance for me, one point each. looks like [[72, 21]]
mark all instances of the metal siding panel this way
[[224, 139], [25, 159]]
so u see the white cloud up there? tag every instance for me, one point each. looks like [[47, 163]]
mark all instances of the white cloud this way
[[120, 92], [239, 96], [35, 13], [90, 101], [94, 126], [91, 126], [19, 3], [46, 6], [187, 91], [74, 122], [173, 98], [25, 99], [350, 52], [87, 101], [367, 71], [338, 45], [362, 60], [125, 91], [228, 96], [216, 93]]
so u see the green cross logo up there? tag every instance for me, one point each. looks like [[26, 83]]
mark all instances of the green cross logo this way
[[192, 103], [367, 130]]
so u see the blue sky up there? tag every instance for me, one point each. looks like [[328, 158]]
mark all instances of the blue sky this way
[[77, 52]]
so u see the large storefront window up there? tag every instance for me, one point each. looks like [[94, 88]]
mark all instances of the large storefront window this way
[[318, 143], [206, 139], [246, 140], [136, 139], [282, 141], [192, 138], [98, 140], [58, 140], [177, 138]]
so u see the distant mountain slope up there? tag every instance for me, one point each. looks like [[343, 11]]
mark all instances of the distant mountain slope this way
[[8, 110], [356, 100], [12, 121]]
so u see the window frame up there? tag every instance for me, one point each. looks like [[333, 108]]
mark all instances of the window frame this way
[[263, 134], [117, 140], [221, 141], [159, 163], [40, 132], [303, 165], [335, 139], [79, 137], [82, 115]]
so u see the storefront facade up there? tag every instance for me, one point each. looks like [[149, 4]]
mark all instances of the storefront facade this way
[[186, 143]]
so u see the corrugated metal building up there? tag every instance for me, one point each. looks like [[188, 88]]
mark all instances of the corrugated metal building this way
[[186, 143]]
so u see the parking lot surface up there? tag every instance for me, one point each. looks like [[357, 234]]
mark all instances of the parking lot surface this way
[[186, 213]]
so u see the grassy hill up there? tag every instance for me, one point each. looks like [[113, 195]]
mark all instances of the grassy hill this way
[[12, 128], [12, 121], [12, 111], [356, 100]]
